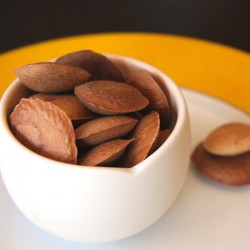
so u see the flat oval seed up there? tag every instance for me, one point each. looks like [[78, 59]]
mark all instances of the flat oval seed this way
[[97, 64], [150, 89], [110, 98], [70, 104], [51, 77], [228, 139], [104, 154], [145, 134], [228, 170], [103, 129], [162, 137]]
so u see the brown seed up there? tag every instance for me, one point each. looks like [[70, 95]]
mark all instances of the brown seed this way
[[74, 109], [97, 64], [145, 134], [70, 104], [45, 96], [51, 77], [150, 89], [228, 139], [229, 170], [103, 129], [45, 129], [104, 154], [110, 98], [162, 137]]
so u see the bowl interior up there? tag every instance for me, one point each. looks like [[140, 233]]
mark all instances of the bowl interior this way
[[17, 90]]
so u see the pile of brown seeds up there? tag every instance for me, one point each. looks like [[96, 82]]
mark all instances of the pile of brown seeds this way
[[84, 111], [224, 156]]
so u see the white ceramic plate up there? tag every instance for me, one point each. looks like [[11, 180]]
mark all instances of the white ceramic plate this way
[[205, 215]]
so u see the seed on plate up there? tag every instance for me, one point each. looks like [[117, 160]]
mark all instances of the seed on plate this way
[[228, 170], [228, 139]]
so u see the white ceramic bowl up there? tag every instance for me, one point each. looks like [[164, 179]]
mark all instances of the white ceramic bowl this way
[[96, 204]]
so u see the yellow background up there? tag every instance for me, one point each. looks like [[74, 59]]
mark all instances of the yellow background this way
[[212, 68]]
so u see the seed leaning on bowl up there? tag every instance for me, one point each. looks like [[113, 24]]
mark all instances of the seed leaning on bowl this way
[[84, 111], [97, 64], [162, 137], [224, 155], [149, 88]]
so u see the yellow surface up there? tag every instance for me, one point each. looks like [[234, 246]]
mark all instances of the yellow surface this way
[[215, 69]]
